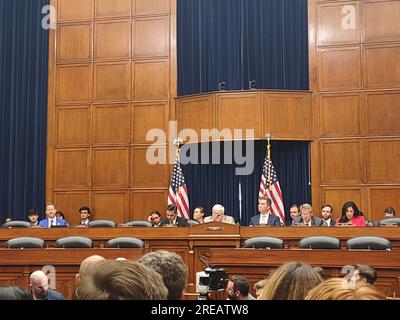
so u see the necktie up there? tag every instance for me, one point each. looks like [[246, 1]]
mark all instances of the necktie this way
[[52, 223]]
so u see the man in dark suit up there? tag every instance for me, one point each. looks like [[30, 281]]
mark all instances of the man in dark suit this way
[[326, 213], [266, 217], [306, 218], [171, 218], [39, 286]]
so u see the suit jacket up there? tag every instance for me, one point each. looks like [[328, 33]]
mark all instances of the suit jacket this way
[[180, 222], [225, 219], [273, 220], [333, 223], [315, 221], [59, 222]]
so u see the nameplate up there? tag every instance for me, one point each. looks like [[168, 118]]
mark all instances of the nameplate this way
[[215, 228], [344, 225], [392, 224]]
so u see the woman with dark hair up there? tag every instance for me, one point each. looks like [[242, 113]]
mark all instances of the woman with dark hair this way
[[351, 215]]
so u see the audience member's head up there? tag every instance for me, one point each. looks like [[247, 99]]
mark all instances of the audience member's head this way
[[259, 286], [389, 212], [341, 289], [291, 281], [14, 293], [87, 266], [171, 267], [237, 288], [39, 285], [364, 274], [121, 280], [321, 272], [218, 212]]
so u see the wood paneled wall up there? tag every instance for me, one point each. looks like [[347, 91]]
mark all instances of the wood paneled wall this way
[[112, 78], [355, 77]]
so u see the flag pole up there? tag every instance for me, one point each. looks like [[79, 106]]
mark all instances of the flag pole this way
[[178, 142], [269, 136]]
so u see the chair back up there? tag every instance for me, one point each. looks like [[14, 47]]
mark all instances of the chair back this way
[[264, 243], [16, 224], [24, 242], [74, 242], [390, 221], [193, 222], [102, 223], [125, 242], [369, 242], [319, 242], [138, 223]]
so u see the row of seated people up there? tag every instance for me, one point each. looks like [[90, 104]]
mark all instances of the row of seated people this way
[[314, 242], [164, 275], [303, 216]]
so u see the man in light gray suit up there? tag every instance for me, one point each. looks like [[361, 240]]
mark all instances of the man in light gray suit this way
[[218, 215]]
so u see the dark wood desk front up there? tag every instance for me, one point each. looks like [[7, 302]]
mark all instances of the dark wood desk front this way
[[256, 264]]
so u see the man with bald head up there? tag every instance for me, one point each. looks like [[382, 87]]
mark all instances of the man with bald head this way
[[39, 286], [87, 266]]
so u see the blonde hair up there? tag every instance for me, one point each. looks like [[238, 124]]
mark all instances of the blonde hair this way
[[290, 281], [340, 289]]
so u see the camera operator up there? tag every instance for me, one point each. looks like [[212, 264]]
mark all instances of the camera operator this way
[[238, 289]]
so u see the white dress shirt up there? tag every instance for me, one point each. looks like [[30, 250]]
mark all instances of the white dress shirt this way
[[264, 218]]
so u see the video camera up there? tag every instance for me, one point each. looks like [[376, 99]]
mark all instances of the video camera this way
[[211, 280]]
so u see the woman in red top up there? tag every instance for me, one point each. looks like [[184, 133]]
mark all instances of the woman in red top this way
[[351, 215]]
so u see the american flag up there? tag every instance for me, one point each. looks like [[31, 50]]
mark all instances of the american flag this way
[[178, 193], [274, 192]]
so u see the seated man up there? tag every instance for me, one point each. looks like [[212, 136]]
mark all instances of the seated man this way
[[326, 213], [307, 218], [171, 218], [218, 215], [389, 213], [364, 274], [51, 219], [33, 217], [238, 289], [266, 217], [85, 216], [39, 286], [294, 213], [155, 218]]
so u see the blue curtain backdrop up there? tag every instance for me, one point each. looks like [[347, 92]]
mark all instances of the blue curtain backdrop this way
[[209, 184], [235, 41], [23, 107]]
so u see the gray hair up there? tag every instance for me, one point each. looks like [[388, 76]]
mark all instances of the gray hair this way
[[218, 207]]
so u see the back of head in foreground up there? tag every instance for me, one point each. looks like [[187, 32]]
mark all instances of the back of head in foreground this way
[[14, 293], [342, 289], [121, 280], [291, 281], [171, 267]]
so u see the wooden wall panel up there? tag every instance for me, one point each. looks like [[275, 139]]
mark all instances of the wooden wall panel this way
[[74, 84], [151, 79], [332, 20], [342, 162], [146, 116], [74, 42], [381, 21], [196, 113], [382, 110], [339, 69], [110, 168], [381, 66], [144, 201], [287, 115], [240, 111], [337, 196], [143, 173], [341, 114], [382, 157], [72, 169], [112, 205], [150, 7], [112, 81], [115, 8], [381, 197], [112, 39], [155, 46], [69, 203], [73, 125], [111, 124], [74, 10]]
